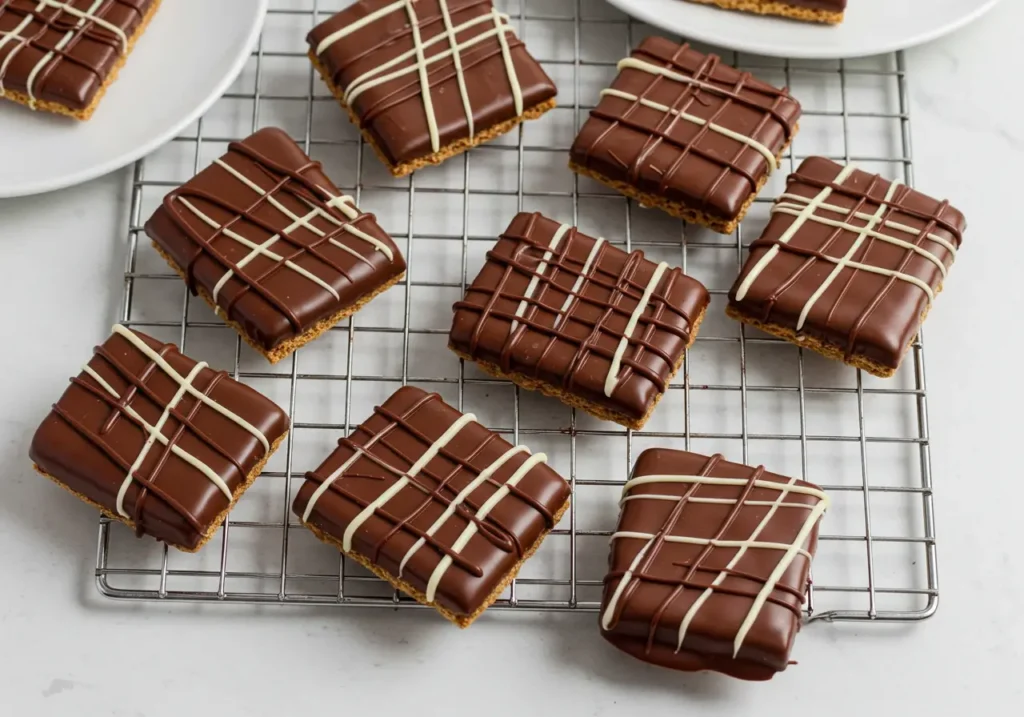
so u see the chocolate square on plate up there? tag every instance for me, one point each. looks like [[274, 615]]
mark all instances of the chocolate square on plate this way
[[427, 79], [60, 56], [827, 11], [578, 319], [272, 245], [709, 564], [431, 501], [681, 131], [156, 440], [849, 265]]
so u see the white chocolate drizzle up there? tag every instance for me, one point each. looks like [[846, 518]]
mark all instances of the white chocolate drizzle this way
[[342, 203], [154, 432], [199, 395], [358, 25], [612, 379], [795, 202], [470, 530], [450, 509], [387, 495], [847, 259], [338, 472], [578, 284], [510, 68], [806, 209], [451, 33], [15, 35], [89, 16], [706, 541], [85, 17], [535, 279], [404, 478], [715, 501], [801, 219], [635, 63], [379, 74], [789, 551], [761, 149], [257, 250], [624, 581], [398, 485], [421, 67]]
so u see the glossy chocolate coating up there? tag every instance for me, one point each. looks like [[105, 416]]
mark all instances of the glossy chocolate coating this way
[[88, 441], [672, 576], [272, 302], [75, 73], [412, 420], [683, 161], [575, 355], [865, 313], [393, 112]]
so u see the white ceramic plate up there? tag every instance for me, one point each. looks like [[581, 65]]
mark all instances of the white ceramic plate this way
[[872, 27], [188, 57]]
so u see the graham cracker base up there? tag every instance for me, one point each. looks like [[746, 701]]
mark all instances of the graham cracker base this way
[[285, 348], [782, 9], [677, 208], [214, 526], [446, 152], [22, 98], [827, 349], [530, 383], [463, 621]]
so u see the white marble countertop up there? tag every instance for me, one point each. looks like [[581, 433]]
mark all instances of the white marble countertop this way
[[65, 650]]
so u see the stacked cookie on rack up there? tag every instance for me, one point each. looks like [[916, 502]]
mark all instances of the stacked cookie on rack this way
[[711, 558]]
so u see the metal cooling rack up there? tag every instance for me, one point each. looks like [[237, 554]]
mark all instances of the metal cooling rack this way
[[750, 396]]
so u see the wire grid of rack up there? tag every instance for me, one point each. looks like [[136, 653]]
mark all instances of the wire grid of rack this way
[[748, 395]]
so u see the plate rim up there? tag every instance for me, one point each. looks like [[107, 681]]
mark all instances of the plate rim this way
[[656, 20], [123, 160]]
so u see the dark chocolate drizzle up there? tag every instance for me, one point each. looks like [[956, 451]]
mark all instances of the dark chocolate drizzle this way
[[125, 465], [92, 438], [624, 291], [703, 73], [405, 32], [281, 180], [623, 285], [56, 19], [680, 584], [438, 73], [393, 439], [666, 529], [864, 201], [729, 90], [393, 111], [833, 5], [935, 217], [500, 536], [137, 384], [656, 587]]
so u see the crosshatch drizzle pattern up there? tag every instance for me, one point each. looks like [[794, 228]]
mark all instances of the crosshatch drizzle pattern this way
[[602, 322], [749, 396], [80, 25]]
